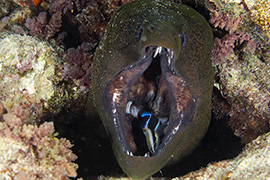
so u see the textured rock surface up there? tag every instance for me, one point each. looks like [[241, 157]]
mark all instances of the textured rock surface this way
[[252, 163]]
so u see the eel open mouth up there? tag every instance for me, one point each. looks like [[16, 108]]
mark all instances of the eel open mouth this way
[[148, 103]]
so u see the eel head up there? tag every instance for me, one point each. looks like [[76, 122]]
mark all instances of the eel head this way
[[152, 81]]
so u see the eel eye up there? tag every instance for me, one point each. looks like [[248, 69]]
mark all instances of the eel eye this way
[[139, 33], [183, 38]]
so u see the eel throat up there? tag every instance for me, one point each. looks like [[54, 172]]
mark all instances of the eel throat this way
[[148, 102]]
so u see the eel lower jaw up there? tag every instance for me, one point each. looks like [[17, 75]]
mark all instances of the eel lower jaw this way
[[149, 86]]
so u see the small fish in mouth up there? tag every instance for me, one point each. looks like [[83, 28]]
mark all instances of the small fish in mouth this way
[[150, 132], [152, 83], [151, 125]]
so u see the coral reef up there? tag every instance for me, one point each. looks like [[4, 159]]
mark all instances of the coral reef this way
[[31, 152], [15, 18], [241, 55], [252, 163], [43, 77], [31, 91]]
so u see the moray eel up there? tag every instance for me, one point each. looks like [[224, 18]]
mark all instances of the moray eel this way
[[152, 82]]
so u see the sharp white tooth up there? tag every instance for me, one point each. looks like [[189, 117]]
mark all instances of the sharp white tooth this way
[[131, 154], [134, 111], [171, 54], [127, 152], [128, 107], [145, 155], [156, 52], [159, 49]]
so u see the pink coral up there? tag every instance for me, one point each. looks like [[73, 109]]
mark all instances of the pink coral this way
[[31, 152], [36, 25], [224, 47], [225, 21], [61, 6], [78, 64], [53, 26], [66, 6], [40, 27]]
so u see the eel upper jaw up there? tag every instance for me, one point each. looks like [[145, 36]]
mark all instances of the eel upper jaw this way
[[151, 84]]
